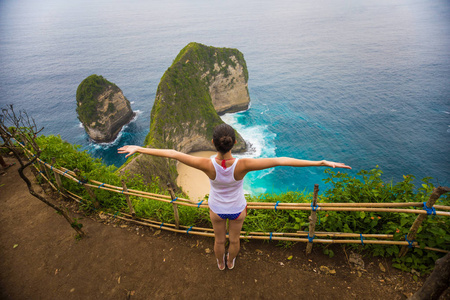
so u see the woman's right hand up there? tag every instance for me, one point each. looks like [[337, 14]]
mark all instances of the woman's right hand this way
[[333, 164]]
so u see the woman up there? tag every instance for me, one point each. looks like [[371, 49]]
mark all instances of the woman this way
[[226, 173]]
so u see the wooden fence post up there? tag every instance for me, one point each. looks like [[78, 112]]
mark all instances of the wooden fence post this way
[[175, 207], [38, 167], [57, 178], [130, 206], [437, 192], [312, 220], [88, 189], [46, 172]]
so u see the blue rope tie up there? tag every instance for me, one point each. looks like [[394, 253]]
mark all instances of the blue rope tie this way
[[410, 243], [276, 204], [115, 215], [65, 172], [310, 239], [200, 203], [174, 200], [270, 236], [362, 239], [161, 225], [101, 185], [429, 210], [187, 231], [314, 208]]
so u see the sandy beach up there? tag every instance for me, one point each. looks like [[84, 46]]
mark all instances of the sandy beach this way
[[194, 182]]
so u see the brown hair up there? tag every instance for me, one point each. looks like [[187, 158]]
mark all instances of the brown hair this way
[[224, 138]]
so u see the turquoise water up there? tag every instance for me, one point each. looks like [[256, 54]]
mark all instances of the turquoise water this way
[[361, 82]]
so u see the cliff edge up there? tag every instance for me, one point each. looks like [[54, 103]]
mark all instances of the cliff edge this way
[[202, 82], [102, 108]]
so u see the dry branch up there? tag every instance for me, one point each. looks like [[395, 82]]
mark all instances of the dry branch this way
[[437, 192]]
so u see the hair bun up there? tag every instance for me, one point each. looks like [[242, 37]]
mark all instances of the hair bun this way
[[226, 140], [224, 137]]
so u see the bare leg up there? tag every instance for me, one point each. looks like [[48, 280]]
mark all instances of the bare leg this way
[[220, 237], [235, 227]]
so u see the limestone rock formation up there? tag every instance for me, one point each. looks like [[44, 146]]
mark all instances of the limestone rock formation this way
[[202, 82], [102, 108], [229, 88]]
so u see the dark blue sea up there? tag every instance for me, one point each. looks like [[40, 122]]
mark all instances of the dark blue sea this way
[[361, 82]]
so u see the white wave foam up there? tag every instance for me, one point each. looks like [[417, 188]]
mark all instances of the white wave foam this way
[[137, 113], [80, 125], [261, 142], [264, 173], [105, 146]]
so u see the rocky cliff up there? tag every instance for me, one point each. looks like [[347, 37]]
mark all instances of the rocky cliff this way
[[202, 82], [102, 108], [228, 86]]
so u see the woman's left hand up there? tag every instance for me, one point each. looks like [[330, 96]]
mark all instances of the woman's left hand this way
[[128, 149]]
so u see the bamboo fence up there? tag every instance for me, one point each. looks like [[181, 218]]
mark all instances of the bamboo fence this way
[[46, 170]]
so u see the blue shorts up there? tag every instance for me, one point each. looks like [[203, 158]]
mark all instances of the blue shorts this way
[[231, 216]]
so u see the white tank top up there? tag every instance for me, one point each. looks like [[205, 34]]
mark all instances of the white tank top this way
[[227, 194]]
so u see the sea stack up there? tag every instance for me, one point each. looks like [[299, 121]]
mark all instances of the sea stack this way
[[201, 83], [102, 108]]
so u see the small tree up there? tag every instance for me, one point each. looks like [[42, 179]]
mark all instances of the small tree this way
[[21, 127]]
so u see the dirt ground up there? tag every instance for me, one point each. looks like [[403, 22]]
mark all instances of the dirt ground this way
[[41, 259]]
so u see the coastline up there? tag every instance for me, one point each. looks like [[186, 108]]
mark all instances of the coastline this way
[[194, 182]]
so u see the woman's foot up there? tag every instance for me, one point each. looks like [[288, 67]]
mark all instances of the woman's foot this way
[[221, 265], [228, 262]]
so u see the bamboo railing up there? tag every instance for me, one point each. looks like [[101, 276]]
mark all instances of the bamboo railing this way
[[44, 169]]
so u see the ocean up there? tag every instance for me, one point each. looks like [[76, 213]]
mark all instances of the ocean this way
[[366, 83]]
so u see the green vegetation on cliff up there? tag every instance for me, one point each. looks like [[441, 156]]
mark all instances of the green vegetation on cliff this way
[[183, 100], [87, 94], [183, 116], [209, 56]]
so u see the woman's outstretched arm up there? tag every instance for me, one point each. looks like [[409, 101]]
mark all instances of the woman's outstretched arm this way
[[201, 163], [253, 164]]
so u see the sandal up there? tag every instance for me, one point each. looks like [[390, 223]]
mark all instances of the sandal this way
[[228, 258], [224, 263]]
